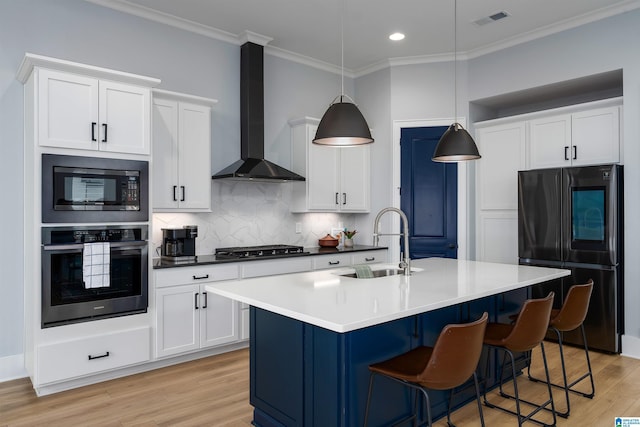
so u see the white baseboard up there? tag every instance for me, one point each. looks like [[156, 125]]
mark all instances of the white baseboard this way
[[12, 367], [631, 346]]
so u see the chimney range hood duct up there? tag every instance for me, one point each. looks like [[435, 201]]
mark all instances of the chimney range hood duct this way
[[252, 165]]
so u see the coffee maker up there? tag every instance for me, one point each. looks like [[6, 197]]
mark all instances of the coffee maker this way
[[179, 244]]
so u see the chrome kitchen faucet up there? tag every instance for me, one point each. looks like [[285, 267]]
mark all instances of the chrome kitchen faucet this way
[[405, 262]]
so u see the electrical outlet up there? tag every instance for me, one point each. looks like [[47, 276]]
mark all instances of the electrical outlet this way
[[336, 231], [298, 227]]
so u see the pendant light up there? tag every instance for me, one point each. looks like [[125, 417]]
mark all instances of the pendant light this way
[[456, 144], [342, 124]]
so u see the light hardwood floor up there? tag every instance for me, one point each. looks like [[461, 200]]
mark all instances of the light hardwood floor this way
[[215, 392]]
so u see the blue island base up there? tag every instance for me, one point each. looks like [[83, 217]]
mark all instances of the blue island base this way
[[305, 375]]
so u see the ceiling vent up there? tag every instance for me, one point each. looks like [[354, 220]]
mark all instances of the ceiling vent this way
[[491, 18]]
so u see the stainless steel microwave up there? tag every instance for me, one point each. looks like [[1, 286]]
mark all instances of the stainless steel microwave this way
[[78, 189]]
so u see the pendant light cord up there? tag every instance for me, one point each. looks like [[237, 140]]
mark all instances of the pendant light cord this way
[[342, 50], [455, 61]]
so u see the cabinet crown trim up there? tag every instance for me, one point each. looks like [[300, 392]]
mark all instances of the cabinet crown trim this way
[[31, 60], [304, 121], [176, 96]]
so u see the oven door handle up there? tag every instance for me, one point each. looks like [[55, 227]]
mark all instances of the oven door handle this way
[[79, 246], [69, 247]]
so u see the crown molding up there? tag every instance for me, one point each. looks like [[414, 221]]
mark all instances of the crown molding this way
[[171, 20], [238, 39]]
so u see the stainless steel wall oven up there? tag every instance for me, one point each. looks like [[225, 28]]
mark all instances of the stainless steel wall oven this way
[[93, 272], [78, 189]]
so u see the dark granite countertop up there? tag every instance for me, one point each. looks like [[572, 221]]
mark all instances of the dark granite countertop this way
[[211, 259]]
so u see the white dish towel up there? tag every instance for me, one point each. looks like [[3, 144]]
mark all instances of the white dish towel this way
[[95, 265]]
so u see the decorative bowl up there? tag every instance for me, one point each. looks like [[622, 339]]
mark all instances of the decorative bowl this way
[[328, 241]]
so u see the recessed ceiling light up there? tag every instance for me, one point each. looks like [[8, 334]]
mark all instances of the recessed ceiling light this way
[[396, 37]]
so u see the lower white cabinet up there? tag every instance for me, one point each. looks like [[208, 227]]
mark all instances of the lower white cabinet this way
[[76, 358], [187, 317], [369, 257]]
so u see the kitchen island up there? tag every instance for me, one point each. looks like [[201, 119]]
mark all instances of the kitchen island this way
[[314, 334]]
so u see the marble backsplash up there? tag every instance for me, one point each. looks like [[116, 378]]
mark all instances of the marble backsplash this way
[[249, 214]]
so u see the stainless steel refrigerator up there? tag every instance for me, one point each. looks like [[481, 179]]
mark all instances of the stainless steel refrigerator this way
[[573, 218]]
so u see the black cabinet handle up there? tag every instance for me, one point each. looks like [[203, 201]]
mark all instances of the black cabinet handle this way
[[93, 131], [205, 300], [334, 262], [206, 276], [104, 125], [195, 300], [566, 154], [370, 259], [337, 203], [99, 357], [183, 193], [575, 152], [344, 198], [175, 197]]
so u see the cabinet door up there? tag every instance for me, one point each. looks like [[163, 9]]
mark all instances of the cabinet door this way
[[595, 136], [218, 320], [323, 176], [498, 237], [177, 319], [194, 130], [550, 142], [497, 179], [125, 118], [355, 179], [165, 154], [67, 110]]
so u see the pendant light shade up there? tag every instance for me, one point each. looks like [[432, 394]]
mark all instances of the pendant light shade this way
[[455, 145], [343, 125]]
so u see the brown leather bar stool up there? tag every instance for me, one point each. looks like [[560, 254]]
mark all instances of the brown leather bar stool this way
[[447, 365], [525, 334], [569, 317]]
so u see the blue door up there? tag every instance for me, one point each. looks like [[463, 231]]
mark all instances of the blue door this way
[[428, 195]]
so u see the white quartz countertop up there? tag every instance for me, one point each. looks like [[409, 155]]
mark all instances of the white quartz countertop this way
[[342, 304]]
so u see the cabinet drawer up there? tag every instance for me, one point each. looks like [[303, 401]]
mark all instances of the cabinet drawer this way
[[194, 275], [331, 261], [370, 257], [272, 267], [70, 359]]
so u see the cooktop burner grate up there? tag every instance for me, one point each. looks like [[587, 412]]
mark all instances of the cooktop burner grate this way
[[258, 251]]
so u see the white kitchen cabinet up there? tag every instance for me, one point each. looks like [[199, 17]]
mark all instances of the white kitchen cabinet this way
[[337, 178], [87, 113], [576, 139], [187, 317], [369, 257], [181, 152], [504, 148], [80, 357]]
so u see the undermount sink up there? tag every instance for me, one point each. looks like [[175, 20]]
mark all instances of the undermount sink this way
[[377, 273]]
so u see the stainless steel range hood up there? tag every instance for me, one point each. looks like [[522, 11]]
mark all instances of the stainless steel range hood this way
[[252, 165]]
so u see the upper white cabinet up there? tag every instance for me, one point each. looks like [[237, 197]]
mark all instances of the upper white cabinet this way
[[83, 107], [504, 151], [576, 139], [181, 152], [337, 178]]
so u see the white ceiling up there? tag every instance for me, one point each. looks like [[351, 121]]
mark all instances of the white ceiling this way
[[311, 28]]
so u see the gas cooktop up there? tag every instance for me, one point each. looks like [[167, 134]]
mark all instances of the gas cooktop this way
[[258, 251]]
